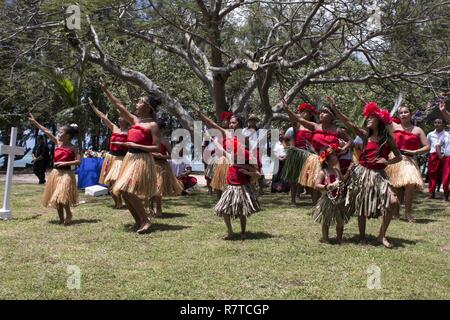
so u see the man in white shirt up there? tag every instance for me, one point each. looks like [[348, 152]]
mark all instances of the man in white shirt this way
[[436, 159], [445, 150]]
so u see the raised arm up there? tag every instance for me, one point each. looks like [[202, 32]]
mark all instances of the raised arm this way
[[47, 132], [103, 117], [345, 120], [293, 117], [209, 122], [127, 115]]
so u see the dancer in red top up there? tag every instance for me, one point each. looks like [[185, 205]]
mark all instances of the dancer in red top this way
[[324, 134], [137, 178], [218, 181], [61, 188], [113, 160], [239, 198], [330, 208], [297, 154], [369, 192], [405, 176]]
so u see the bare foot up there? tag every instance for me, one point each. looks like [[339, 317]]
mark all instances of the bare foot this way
[[144, 228], [228, 236], [363, 242], [243, 236], [385, 243], [68, 221], [322, 240], [338, 241], [411, 219], [61, 221]]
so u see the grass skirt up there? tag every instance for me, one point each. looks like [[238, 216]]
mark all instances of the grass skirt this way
[[137, 176], [310, 170], [237, 201], [114, 170], [404, 173], [368, 192], [61, 189], [106, 166], [330, 213], [293, 164], [219, 180], [167, 185], [211, 167]]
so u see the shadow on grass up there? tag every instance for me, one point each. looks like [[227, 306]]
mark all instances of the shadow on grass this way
[[252, 236], [77, 221], [372, 241], [418, 220], [157, 227], [168, 215]]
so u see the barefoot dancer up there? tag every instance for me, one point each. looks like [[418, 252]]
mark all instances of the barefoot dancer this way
[[61, 189], [167, 184], [369, 192], [113, 160], [330, 209], [239, 199], [137, 178], [297, 154], [405, 176], [324, 134]]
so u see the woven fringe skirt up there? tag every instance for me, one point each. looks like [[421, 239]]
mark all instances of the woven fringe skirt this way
[[310, 170], [368, 192], [167, 185], [211, 167], [106, 166], [219, 180], [295, 159], [137, 176], [404, 173], [61, 189], [330, 213], [237, 201], [114, 170]]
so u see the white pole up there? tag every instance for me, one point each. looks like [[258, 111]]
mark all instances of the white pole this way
[[6, 211]]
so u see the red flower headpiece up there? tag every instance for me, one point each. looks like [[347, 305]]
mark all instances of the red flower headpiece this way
[[372, 109], [306, 106], [226, 115], [324, 154]]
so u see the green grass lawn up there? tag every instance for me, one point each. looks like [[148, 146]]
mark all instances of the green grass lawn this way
[[184, 258]]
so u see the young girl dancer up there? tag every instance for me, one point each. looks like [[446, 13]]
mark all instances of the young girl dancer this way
[[61, 189], [405, 176], [330, 209], [167, 184], [137, 178], [113, 160], [297, 154], [239, 199], [369, 192]]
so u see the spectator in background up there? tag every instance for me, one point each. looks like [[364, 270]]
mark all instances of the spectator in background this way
[[41, 159]]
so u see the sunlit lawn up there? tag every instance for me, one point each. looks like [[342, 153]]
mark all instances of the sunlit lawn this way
[[184, 257]]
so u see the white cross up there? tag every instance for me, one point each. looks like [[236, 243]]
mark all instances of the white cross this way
[[12, 150]]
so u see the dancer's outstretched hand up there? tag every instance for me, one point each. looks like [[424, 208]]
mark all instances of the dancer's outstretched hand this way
[[102, 86], [31, 117], [284, 104], [331, 101]]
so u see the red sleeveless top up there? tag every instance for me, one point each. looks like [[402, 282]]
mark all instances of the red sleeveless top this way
[[406, 140], [64, 155], [322, 139], [118, 137], [140, 135], [235, 177], [303, 138], [370, 153]]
